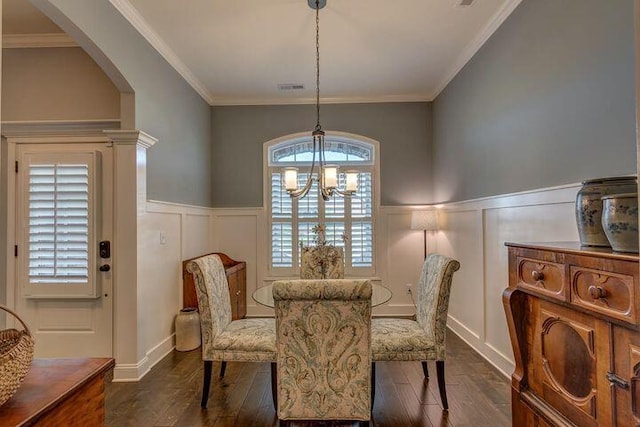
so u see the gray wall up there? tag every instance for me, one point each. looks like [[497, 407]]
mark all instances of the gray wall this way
[[548, 100], [165, 105], [403, 130]]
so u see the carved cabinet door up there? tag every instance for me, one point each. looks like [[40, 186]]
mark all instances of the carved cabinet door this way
[[570, 359], [625, 376]]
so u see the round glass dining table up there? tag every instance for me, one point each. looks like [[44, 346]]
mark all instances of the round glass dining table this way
[[264, 295]]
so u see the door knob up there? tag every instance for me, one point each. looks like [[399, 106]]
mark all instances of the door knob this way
[[537, 275], [105, 267]]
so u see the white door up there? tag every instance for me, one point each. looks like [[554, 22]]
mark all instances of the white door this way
[[63, 232]]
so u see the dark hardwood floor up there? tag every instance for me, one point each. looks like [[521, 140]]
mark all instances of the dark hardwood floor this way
[[169, 395]]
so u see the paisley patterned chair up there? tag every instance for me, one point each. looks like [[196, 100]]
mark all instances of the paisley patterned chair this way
[[424, 338], [323, 333], [321, 262], [244, 340]]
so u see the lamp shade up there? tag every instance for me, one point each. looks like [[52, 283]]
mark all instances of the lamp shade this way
[[352, 181], [331, 176], [291, 179], [424, 220]]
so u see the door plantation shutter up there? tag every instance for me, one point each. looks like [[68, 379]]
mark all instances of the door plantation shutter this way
[[58, 223], [58, 216]]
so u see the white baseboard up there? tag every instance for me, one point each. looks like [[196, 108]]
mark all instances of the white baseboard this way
[[498, 360], [133, 372]]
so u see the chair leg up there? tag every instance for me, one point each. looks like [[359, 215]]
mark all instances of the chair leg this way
[[208, 368], [441, 385], [373, 383], [274, 385], [223, 368], [425, 369]]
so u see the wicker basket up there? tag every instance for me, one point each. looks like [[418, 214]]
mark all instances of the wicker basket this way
[[16, 354]]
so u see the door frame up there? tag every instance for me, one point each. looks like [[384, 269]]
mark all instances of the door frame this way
[[129, 202], [10, 141]]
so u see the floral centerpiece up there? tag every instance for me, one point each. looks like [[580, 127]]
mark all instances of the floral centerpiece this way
[[321, 260]]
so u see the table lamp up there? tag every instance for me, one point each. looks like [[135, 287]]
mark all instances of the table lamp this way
[[425, 221]]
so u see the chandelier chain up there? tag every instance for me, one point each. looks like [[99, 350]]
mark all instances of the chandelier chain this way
[[318, 127], [327, 175]]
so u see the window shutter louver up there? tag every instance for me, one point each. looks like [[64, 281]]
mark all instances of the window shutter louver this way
[[334, 207], [362, 244], [362, 201], [308, 206], [280, 199], [281, 244], [58, 223]]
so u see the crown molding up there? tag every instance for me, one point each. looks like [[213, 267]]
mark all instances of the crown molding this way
[[140, 24], [19, 41], [222, 102], [478, 41], [132, 15]]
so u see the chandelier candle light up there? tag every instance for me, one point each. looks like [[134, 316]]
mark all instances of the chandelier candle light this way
[[328, 181]]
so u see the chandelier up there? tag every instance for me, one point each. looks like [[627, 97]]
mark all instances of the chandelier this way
[[327, 178]]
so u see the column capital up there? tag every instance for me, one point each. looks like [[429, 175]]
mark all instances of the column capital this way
[[131, 137]]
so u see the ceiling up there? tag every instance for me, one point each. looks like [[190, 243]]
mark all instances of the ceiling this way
[[237, 52]]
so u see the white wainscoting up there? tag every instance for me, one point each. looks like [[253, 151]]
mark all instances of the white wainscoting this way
[[167, 234], [472, 231]]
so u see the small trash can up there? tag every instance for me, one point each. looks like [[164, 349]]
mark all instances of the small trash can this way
[[187, 329]]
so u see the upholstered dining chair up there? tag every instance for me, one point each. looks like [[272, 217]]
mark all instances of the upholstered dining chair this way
[[244, 340], [422, 339], [323, 332], [321, 262]]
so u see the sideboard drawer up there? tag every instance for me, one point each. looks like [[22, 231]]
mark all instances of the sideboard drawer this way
[[544, 277], [608, 293]]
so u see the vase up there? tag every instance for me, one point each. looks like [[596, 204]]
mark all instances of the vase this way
[[589, 206], [620, 221], [187, 329]]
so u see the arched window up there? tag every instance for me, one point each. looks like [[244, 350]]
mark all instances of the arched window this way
[[292, 220]]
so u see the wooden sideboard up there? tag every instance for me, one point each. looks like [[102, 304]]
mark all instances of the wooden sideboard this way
[[236, 272], [59, 392], [573, 316]]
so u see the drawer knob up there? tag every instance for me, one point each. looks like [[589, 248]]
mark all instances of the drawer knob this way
[[597, 292], [537, 275]]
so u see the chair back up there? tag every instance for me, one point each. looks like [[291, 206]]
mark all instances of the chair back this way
[[212, 291], [434, 290], [323, 340], [321, 262]]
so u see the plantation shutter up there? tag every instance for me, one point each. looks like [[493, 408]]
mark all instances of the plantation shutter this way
[[348, 222], [362, 226], [281, 226], [58, 221]]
